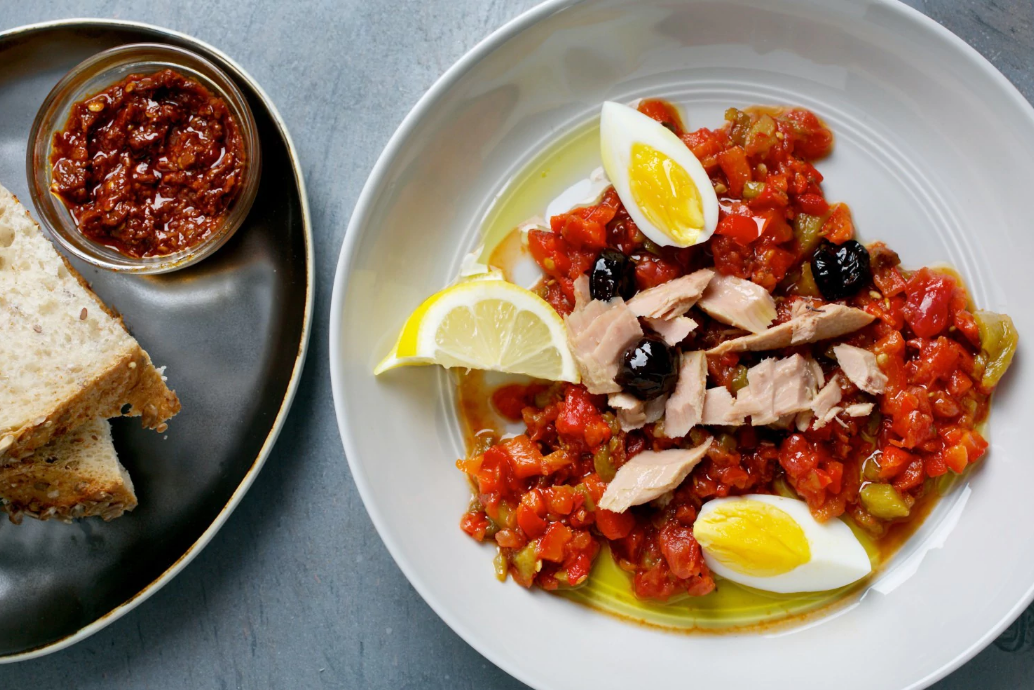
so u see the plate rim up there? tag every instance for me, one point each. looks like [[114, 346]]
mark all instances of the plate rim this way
[[202, 541], [904, 13]]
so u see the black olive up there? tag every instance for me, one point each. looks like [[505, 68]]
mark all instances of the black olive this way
[[840, 270], [648, 369], [612, 274]]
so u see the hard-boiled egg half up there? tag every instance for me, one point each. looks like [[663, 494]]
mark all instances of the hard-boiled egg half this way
[[660, 182], [774, 544]]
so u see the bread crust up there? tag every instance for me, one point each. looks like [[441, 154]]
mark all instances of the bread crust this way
[[132, 380], [44, 492], [77, 476]]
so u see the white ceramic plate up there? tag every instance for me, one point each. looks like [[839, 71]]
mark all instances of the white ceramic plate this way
[[933, 155]]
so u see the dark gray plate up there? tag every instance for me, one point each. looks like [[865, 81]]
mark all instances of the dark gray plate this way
[[233, 332]]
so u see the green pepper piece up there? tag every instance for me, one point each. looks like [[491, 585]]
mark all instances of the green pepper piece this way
[[507, 516], [740, 125], [601, 461], [739, 378], [883, 501], [807, 229], [752, 189], [527, 562], [761, 136], [584, 491], [871, 468], [806, 285], [500, 565], [783, 488], [998, 339]]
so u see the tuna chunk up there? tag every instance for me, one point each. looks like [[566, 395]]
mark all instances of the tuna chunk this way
[[826, 403], [630, 410], [674, 331], [582, 294], [720, 408], [739, 303], [655, 409], [633, 413], [649, 475], [685, 407], [858, 410], [599, 333], [811, 324], [861, 368], [671, 299], [777, 389], [808, 325]]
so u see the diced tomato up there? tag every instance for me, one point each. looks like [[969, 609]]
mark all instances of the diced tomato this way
[[510, 539], [937, 360], [651, 271], [743, 229], [580, 418], [549, 253], [798, 456], [929, 295], [614, 525], [706, 145], [893, 461], [524, 456], [511, 400], [560, 499], [838, 227], [773, 194], [733, 162], [812, 139], [551, 545], [680, 550], [530, 516], [662, 111], [475, 524], [555, 460], [911, 477], [579, 232], [812, 204]]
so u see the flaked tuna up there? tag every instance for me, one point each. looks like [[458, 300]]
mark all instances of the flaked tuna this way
[[826, 404], [673, 331], [808, 324], [777, 389], [599, 333], [738, 302], [630, 410], [858, 410], [650, 474], [861, 369], [671, 299], [720, 408], [632, 413], [685, 408]]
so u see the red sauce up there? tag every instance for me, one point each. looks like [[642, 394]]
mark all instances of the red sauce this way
[[150, 165], [537, 494]]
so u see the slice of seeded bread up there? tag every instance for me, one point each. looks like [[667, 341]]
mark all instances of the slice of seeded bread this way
[[65, 359], [75, 476]]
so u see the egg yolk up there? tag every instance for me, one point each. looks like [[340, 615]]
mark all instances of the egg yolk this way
[[752, 538], [666, 194]]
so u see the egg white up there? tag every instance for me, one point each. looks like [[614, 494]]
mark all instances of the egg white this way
[[620, 128], [837, 557]]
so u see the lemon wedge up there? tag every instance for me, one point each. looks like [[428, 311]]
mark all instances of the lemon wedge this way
[[488, 324]]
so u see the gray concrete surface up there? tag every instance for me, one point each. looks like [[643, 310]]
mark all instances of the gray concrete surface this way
[[297, 590]]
